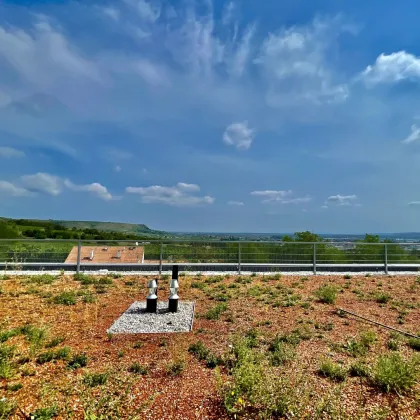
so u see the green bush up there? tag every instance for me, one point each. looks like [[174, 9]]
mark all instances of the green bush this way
[[392, 373], [367, 338], [359, 369], [176, 367], [199, 350], [14, 387], [5, 335], [138, 368], [78, 360], [392, 344], [65, 298], [383, 298], [215, 312], [414, 343], [42, 279], [95, 379], [332, 370], [49, 356], [54, 342], [84, 279], [7, 408], [44, 413], [327, 294], [282, 354]]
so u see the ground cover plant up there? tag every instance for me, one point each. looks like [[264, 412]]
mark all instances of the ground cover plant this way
[[262, 347]]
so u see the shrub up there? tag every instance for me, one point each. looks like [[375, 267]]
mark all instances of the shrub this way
[[49, 356], [88, 298], [14, 387], [199, 350], [7, 408], [36, 336], [347, 276], [383, 298], [355, 348], [414, 343], [327, 294], [105, 280], [95, 379], [392, 344], [392, 373], [6, 370], [332, 370], [84, 279], [65, 298], [367, 338], [359, 369], [138, 368], [44, 413], [282, 354], [54, 342], [176, 367], [43, 279], [215, 312], [79, 360], [5, 335]]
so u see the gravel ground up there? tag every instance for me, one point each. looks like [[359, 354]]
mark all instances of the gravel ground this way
[[136, 320]]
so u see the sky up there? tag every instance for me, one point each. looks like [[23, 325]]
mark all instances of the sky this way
[[212, 116]]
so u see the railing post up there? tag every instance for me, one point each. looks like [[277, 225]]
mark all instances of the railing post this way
[[239, 258], [314, 260], [79, 252], [161, 258], [386, 258]]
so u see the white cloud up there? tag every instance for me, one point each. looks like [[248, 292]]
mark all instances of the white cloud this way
[[282, 197], [112, 13], [241, 56], [342, 200], [235, 203], [414, 204], [295, 64], [151, 73], [95, 188], [10, 152], [239, 135], [43, 55], [118, 168], [178, 195], [13, 190], [146, 10], [42, 182], [414, 135], [392, 68]]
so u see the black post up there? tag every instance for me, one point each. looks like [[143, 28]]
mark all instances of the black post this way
[[174, 298], [175, 270], [151, 304]]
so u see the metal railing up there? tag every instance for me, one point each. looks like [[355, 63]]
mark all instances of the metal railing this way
[[192, 255]]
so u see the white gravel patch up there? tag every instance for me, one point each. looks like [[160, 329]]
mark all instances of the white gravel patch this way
[[135, 320]]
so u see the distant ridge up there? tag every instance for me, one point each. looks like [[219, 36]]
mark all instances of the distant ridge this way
[[105, 226]]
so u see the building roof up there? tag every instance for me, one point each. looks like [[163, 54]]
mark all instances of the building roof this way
[[107, 254]]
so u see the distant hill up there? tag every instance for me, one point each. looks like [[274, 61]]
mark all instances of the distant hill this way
[[105, 226]]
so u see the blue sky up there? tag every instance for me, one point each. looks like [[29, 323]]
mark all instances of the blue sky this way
[[212, 115]]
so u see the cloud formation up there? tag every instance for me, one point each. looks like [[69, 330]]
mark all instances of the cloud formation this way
[[282, 197], [414, 136], [43, 183], [341, 200], [239, 135], [179, 195], [392, 68], [235, 203], [94, 188], [10, 152]]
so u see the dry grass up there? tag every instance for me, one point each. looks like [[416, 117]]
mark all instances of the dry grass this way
[[288, 331]]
